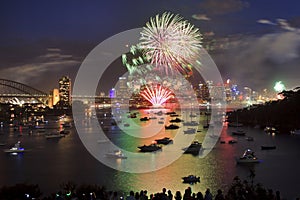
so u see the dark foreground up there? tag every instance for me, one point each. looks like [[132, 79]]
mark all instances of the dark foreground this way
[[239, 190]]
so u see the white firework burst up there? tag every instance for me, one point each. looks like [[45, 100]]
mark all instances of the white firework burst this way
[[170, 42], [156, 95]]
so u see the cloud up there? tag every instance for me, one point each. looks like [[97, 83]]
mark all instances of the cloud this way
[[265, 21], [258, 61], [285, 25], [41, 68], [282, 23], [218, 7], [200, 17], [54, 49]]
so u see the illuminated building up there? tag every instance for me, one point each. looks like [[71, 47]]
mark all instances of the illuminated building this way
[[112, 93], [204, 92], [65, 91], [122, 89], [53, 97]]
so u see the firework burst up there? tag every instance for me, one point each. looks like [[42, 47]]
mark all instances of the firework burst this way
[[170, 42], [134, 58], [156, 95]]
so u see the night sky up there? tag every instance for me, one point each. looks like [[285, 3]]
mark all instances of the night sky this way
[[258, 40]]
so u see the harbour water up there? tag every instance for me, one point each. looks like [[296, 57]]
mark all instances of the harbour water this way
[[49, 163]]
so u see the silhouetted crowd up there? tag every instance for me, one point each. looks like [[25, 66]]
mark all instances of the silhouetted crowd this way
[[238, 190]]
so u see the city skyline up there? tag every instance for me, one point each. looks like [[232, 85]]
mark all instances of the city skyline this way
[[255, 42]]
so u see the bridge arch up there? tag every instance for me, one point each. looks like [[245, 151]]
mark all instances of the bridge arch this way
[[20, 90]]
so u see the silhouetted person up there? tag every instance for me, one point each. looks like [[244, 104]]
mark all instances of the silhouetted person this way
[[164, 195], [219, 195], [178, 195], [208, 195], [137, 196], [170, 195], [187, 194], [199, 196], [131, 196]]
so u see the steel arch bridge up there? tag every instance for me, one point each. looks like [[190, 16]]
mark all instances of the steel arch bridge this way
[[11, 89]]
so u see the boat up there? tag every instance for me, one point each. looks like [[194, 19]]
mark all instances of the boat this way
[[164, 140], [126, 124], [249, 138], [144, 119], [191, 179], [149, 148], [248, 157], [172, 126], [171, 113], [235, 124], [15, 149], [239, 133], [190, 131], [176, 120], [54, 136], [190, 123], [194, 148], [232, 141], [132, 115], [265, 147], [206, 126], [295, 132], [116, 154], [270, 129], [64, 132]]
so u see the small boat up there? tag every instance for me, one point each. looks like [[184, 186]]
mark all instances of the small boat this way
[[270, 129], [191, 179], [249, 138], [232, 141], [132, 115], [190, 131], [144, 119], [171, 113], [239, 133], [194, 148], [191, 123], [248, 157], [176, 120], [264, 147], [295, 132], [149, 148], [172, 126], [54, 136], [15, 149], [164, 140], [116, 154], [67, 125], [64, 132], [235, 124]]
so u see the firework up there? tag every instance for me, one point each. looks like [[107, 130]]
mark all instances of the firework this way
[[170, 42], [156, 95], [134, 58]]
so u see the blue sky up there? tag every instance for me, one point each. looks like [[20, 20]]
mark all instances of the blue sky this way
[[257, 41]]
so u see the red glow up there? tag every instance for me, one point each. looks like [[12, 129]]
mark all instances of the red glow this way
[[156, 95]]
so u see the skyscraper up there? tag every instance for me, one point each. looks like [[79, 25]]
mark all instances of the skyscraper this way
[[65, 91]]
